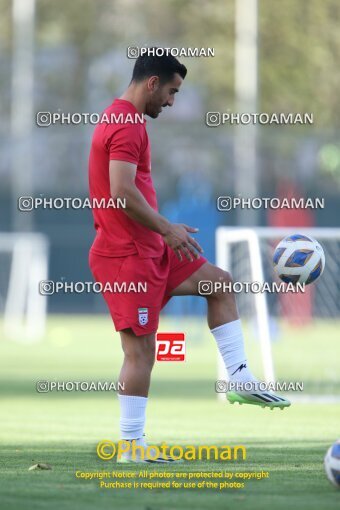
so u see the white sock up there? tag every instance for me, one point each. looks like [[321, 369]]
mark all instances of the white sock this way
[[139, 442], [229, 339], [132, 416]]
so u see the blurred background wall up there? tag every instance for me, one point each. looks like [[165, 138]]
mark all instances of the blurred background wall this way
[[80, 65]]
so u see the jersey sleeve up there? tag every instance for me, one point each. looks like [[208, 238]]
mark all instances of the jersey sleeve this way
[[125, 143]]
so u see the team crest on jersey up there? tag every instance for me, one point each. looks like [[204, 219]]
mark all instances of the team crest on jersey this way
[[143, 316]]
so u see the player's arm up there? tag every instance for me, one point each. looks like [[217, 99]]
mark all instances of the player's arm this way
[[177, 236]]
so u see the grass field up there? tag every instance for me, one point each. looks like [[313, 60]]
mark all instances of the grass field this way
[[63, 428]]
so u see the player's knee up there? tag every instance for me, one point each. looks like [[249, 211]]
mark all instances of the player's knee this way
[[222, 287], [141, 351]]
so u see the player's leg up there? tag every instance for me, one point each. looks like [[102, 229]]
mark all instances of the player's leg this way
[[222, 317], [139, 358], [222, 307], [225, 326]]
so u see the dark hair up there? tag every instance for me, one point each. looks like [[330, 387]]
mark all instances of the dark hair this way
[[163, 66]]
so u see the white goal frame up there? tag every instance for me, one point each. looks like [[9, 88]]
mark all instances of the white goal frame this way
[[227, 236], [25, 310]]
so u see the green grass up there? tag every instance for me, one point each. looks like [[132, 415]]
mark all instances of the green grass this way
[[62, 429]]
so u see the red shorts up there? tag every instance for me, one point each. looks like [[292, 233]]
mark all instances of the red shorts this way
[[140, 288]]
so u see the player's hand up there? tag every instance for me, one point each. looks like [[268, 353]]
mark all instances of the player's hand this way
[[179, 239]]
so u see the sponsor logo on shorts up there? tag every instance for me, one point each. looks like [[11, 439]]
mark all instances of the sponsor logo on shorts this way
[[143, 316], [170, 347]]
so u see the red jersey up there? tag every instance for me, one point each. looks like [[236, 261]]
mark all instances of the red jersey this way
[[117, 234]]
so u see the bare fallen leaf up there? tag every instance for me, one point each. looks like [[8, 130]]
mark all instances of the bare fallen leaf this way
[[39, 466]]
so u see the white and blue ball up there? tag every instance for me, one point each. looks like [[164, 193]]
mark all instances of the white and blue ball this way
[[299, 259], [332, 464]]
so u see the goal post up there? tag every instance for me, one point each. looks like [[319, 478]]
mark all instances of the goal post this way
[[247, 254], [24, 310]]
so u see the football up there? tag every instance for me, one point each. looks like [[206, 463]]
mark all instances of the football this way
[[332, 464], [299, 259]]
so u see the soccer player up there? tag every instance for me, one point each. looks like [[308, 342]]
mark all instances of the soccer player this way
[[137, 244]]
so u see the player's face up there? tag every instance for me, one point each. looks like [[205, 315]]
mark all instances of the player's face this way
[[161, 95]]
